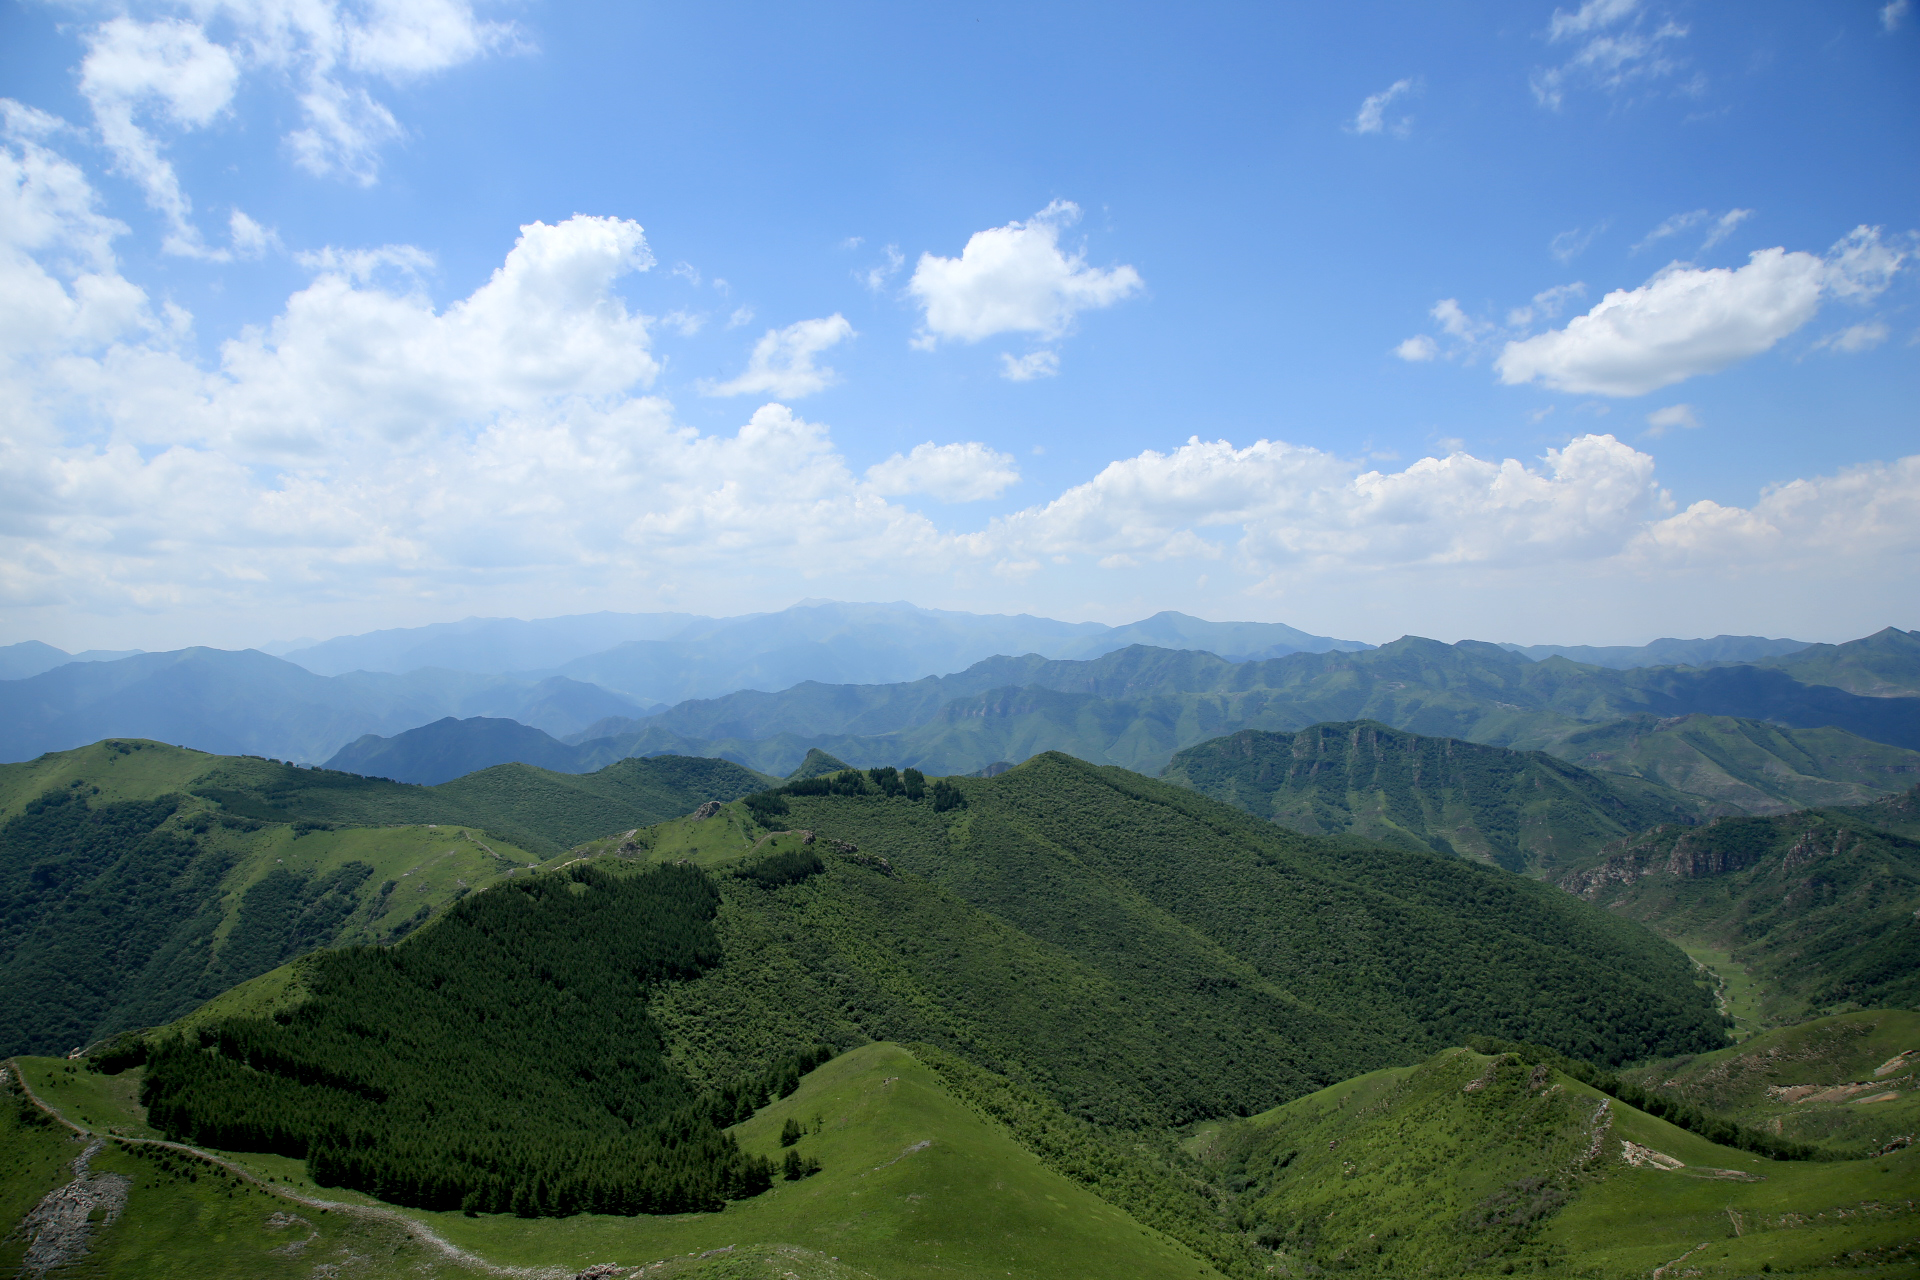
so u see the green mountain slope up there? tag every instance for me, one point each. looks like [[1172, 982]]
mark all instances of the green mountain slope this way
[[913, 1184], [1745, 766], [817, 764], [1885, 664], [1520, 810], [1475, 1165], [1149, 956], [1816, 907], [1850, 1083], [138, 880]]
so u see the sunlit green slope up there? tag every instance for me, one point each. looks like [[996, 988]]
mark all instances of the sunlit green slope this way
[[912, 1184], [1850, 1083], [1476, 1165]]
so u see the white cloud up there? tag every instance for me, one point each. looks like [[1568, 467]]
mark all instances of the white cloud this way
[[782, 361], [249, 238], [1014, 279], [1864, 516], [1372, 114], [1591, 16], [1892, 15], [1035, 364], [1855, 338], [1618, 50], [1723, 226], [1683, 322], [1417, 349], [367, 454], [361, 265], [876, 277], [1456, 322], [1687, 321], [741, 316], [969, 472], [1661, 421], [168, 69], [165, 70], [1301, 507], [1862, 265]]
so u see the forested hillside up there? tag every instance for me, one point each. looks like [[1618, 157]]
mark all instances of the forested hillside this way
[[1521, 810], [1146, 955], [1816, 906], [138, 880], [502, 1061]]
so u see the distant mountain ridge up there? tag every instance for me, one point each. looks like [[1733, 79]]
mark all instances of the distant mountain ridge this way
[[249, 703], [672, 657], [1664, 652], [1136, 707], [31, 657]]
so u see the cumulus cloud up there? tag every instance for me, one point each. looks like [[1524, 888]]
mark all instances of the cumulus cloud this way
[[1014, 279], [969, 472], [1372, 117], [1687, 321], [1295, 506], [782, 361], [1035, 364], [1864, 515], [1618, 47]]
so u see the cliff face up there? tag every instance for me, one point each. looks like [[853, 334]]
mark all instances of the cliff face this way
[[1818, 906]]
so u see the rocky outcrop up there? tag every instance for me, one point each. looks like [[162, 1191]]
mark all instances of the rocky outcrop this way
[[60, 1226]]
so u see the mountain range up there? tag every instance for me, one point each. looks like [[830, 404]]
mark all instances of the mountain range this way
[[1067, 1021], [1741, 738]]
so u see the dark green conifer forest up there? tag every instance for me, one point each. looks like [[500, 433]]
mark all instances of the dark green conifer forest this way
[[501, 1061]]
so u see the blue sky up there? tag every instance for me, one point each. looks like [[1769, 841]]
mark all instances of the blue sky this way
[[1576, 324]]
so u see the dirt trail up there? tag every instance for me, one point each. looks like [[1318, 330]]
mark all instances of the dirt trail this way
[[418, 1230]]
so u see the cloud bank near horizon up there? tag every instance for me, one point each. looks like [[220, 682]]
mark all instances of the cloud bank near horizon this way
[[367, 455]]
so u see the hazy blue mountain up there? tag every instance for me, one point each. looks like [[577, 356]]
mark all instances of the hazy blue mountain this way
[[450, 748], [1665, 652], [30, 658], [670, 658], [488, 646], [1136, 707], [248, 703], [1232, 640]]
